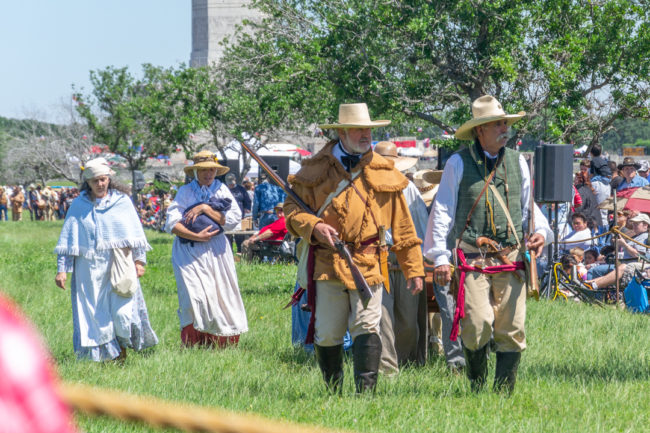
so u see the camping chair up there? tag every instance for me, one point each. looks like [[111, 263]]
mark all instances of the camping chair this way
[[281, 251]]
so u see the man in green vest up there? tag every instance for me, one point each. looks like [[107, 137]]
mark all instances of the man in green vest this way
[[484, 197]]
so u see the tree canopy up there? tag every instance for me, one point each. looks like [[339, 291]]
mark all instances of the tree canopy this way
[[575, 66]]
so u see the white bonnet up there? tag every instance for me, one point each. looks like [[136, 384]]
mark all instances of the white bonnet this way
[[97, 167]]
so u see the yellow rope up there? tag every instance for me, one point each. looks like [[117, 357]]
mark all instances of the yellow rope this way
[[588, 239], [162, 414], [616, 230], [557, 283]]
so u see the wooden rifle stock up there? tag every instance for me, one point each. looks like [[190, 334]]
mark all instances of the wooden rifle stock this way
[[531, 229], [359, 281]]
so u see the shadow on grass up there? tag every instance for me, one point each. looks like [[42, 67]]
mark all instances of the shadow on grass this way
[[161, 241], [608, 369], [256, 289], [296, 356]]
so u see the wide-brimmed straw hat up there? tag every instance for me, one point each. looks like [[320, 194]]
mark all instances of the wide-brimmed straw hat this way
[[629, 162], [388, 149], [205, 159], [95, 168], [485, 109], [427, 182], [354, 116]]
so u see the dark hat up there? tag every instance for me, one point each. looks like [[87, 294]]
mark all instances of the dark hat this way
[[629, 162]]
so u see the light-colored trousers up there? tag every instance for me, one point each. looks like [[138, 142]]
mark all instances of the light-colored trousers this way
[[339, 309], [403, 326], [494, 305]]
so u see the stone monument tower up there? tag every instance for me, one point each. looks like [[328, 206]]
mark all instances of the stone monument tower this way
[[213, 20]]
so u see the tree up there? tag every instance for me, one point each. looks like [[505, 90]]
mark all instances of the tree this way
[[115, 114], [38, 151], [574, 65]]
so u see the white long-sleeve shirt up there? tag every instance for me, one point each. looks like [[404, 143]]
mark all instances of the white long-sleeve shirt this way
[[443, 212]]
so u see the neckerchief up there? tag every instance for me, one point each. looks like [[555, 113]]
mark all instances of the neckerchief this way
[[203, 193], [349, 160]]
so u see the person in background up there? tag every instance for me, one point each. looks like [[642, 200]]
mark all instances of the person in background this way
[[266, 196], [17, 202], [428, 183], [598, 164], [243, 200], [631, 179], [101, 236], [210, 307], [600, 182], [587, 192], [403, 325], [577, 237], [34, 198], [4, 201], [239, 193], [602, 276], [276, 231], [643, 168], [250, 190]]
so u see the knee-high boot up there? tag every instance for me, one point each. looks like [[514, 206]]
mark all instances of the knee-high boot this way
[[330, 361], [505, 375], [476, 365], [366, 352]]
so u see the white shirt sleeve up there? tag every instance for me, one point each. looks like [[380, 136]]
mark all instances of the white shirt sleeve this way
[[417, 208], [443, 212], [541, 223]]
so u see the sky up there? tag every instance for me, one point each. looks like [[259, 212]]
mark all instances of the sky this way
[[46, 46]]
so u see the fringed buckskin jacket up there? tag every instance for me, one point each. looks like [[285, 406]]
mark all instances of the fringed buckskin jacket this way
[[381, 185]]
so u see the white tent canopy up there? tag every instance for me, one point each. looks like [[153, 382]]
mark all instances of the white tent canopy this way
[[409, 151]]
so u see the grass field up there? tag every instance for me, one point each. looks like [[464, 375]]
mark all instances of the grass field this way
[[585, 370]]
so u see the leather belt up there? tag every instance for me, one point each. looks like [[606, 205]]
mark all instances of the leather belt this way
[[364, 249], [505, 251]]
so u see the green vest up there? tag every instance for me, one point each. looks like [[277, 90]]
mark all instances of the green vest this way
[[474, 174]]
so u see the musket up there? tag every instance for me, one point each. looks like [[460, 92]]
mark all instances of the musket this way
[[359, 281], [531, 229]]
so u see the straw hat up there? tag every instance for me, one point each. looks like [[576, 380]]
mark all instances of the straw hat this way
[[485, 109], [205, 159], [355, 116], [388, 149], [427, 182]]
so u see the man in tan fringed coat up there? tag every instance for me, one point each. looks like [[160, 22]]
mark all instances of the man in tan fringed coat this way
[[17, 200], [367, 194]]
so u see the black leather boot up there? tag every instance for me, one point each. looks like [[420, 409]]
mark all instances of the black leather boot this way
[[330, 361], [366, 352], [505, 375], [476, 366]]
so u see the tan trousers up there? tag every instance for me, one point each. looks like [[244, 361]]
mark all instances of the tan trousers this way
[[339, 309], [494, 305], [403, 326]]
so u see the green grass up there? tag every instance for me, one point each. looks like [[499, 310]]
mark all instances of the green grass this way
[[586, 369]]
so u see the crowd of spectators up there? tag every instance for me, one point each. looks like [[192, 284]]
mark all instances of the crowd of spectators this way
[[588, 246]]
